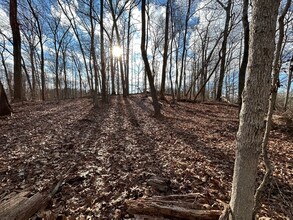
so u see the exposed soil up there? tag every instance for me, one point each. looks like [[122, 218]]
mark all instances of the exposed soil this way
[[116, 148]]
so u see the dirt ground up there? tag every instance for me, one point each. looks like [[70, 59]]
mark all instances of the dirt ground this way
[[116, 148]]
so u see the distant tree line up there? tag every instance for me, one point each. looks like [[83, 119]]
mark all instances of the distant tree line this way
[[196, 49]]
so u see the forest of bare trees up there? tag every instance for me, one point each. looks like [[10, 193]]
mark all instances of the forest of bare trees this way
[[228, 52], [199, 52]]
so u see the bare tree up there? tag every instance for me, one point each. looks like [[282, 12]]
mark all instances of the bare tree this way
[[8, 81], [16, 50], [184, 49], [254, 107], [58, 40], [165, 55], [227, 9], [30, 45], [146, 62], [103, 64], [244, 62], [116, 12], [74, 25], [273, 97], [39, 31]]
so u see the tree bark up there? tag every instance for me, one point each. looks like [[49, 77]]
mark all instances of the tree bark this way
[[16, 50], [5, 108], [244, 62], [254, 107], [272, 103], [146, 62]]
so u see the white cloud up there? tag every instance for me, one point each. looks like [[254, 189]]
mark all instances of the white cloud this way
[[4, 23]]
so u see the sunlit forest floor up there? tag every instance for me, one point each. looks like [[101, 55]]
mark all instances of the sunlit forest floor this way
[[116, 148]]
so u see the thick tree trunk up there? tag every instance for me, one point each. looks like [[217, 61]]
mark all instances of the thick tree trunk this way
[[16, 50], [5, 108], [146, 63], [254, 107], [272, 103]]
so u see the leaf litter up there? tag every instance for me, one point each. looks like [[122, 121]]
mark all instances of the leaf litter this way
[[118, 151]]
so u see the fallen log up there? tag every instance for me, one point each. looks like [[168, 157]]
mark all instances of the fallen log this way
[[161, 208], [12, 200], [22, 207]]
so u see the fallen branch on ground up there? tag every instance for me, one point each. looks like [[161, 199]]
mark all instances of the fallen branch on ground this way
[[170, 207], [22, 207]]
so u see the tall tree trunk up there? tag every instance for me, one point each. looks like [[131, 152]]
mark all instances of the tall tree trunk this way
[[272, 103], [112, 65], [176, 68], [183, 49], [80, 76], [103, 64], [128, 51], [42, 59], [146, 62], [165, 54], [244, 62], [224, 47], [33, 69], [16, 50], [43, 87], [254, 107], [65, 74], [57, 73], [290, 70], [27, 78]]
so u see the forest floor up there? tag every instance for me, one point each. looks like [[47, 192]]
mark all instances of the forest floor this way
[[116, 148]]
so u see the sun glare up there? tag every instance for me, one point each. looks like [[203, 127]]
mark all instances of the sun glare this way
[[117, 51]]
